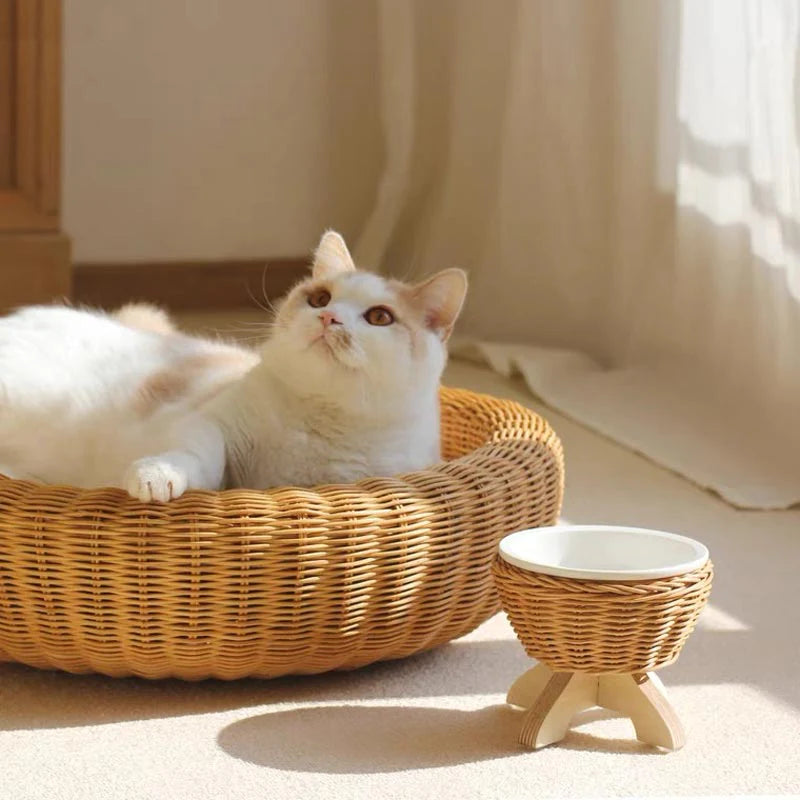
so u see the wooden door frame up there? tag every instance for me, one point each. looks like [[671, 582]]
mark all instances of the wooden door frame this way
[[32, 202], [34, 254]]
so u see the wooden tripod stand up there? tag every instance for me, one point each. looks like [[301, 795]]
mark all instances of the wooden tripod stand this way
[[553, 699]]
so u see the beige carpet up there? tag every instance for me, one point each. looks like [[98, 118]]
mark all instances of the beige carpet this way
[[436, 725]]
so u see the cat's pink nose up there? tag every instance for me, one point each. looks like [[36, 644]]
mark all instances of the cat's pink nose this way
[[328, 318]]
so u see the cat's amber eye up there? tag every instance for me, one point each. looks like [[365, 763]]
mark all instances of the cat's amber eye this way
[[378, 315], [319, 298]]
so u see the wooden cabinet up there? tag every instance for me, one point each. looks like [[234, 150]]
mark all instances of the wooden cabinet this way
[[34, 253]]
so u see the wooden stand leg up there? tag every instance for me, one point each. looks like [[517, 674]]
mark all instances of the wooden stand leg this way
[[553, 699], [643, 699], [528, 686], [564, 695]]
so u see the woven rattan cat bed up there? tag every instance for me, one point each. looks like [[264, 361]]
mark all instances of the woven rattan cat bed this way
[[266, 583]]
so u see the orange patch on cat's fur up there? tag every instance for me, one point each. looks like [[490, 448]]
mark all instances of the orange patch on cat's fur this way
[[201, 375], [145, 317]]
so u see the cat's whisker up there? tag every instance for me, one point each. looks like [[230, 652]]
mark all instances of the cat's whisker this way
[[250, 339], [255, 325], [411, 270], [407, 275], [268, 310], [264, 290], [249, 331], [241, 339], [228, 335], [264, 326]]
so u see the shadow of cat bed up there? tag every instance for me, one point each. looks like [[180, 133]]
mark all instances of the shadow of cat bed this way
[[285, 581]]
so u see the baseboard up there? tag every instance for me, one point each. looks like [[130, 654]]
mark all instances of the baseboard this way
[[34, 268], [187, 285]]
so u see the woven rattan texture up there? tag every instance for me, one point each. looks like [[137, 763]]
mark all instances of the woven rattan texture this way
[[266, 583], [602, 626]]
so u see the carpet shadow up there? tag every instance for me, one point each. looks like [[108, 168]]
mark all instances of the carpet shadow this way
[[349, 739], [357, 739], [578, 739]]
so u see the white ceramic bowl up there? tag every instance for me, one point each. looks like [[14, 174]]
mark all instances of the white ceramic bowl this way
[[603, 552]]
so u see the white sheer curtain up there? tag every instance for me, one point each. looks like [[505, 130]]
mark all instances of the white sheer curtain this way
[[621, 178]]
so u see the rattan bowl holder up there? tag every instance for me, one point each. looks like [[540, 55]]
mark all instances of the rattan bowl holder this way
[[599, 644], [286, 581]]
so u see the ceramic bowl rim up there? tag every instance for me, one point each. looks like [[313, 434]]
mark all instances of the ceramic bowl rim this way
[[699, 558]]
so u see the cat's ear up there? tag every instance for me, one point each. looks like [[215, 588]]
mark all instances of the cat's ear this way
[[331, 257], [440, 298]]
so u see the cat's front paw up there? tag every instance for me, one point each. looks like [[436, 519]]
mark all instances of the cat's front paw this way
[[155, 480]]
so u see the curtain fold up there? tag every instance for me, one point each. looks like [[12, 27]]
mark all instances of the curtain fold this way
[[622, 181]]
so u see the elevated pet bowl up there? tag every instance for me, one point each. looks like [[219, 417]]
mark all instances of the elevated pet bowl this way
[[601, 608], [267, 583]]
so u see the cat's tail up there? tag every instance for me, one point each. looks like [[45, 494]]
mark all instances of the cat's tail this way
[[145, 317]]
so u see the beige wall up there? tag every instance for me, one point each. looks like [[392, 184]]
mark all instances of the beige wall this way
[[208, 129]]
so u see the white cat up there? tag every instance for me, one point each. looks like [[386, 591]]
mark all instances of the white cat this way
[[345, 387]]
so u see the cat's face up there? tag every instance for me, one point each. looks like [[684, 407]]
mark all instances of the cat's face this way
[[349, 332]]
